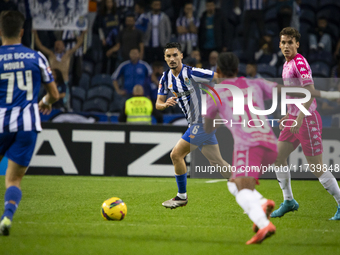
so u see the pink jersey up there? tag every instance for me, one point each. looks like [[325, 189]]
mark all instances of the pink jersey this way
[[297, 73], [245, 136]]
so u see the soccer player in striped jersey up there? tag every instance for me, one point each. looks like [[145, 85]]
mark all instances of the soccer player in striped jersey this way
[[183, 81], [22, 70], [297, 72]]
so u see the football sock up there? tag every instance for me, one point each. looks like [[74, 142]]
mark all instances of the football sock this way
[[257, 194], [12, 198], [283, 177], [182, 195], [233, 190], [251, 205], [181, 183], [331, 185]]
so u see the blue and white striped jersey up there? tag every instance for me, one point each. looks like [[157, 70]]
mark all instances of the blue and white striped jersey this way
[[184, 22], [253, 4], [186, 87], [22, 70]]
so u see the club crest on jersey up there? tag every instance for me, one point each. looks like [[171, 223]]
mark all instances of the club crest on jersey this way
[[170, 86], [187, 81]]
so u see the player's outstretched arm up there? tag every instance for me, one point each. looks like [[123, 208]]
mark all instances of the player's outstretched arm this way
[[80, 41], [45, 104], [161, 104], [40, 46], [209, 125]]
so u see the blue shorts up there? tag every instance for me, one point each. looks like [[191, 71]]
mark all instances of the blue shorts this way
[[18, 146], [197, 136]]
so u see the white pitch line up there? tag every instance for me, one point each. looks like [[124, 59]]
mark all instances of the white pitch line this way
[[214, 181]]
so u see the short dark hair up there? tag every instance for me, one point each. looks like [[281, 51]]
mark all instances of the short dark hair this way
[[135, 48], [290, 31], [228, 63], [11, 23], [172, 45]]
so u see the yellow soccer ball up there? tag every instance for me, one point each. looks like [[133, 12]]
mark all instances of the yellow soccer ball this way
[[114, 209]]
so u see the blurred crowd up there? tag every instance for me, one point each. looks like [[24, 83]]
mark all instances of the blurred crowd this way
[[123, 45]]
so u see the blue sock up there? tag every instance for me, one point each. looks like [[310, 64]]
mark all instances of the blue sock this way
[[181, 183], [12, 199]]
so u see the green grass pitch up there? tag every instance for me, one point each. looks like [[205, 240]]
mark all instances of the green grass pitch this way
[[61, 215]]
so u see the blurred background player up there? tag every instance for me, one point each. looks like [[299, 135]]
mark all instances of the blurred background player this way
[[254, 145], [20, 79], [181, 81], [297, 72]]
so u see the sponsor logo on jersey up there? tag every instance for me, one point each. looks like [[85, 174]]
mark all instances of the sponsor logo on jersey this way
[[314, 129], [192, 136], [306, 76], [318, 150], [241, 155], [299, 58], [300, 63], [317, 143], [170, 86], [303, 69], [312, 122], [315, 137]]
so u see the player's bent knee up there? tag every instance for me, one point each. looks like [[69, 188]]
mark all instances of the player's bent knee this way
[[175, 155]]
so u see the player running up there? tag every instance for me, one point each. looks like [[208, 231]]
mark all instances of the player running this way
[[254, 145], [297, 72], [182, 81], [22, 70]]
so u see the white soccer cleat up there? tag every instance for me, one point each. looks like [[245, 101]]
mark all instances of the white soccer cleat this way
[[175, 202]]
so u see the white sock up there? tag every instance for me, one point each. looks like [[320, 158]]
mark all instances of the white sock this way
[[182, 195], [283, 176], [331, 185], [258, 195], [251, 205], [232, 188]]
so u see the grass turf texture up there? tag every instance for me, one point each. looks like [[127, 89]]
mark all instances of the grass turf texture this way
[[61, 215]]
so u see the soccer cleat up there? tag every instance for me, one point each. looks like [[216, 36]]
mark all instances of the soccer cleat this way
[[337, 214], [175, 202], [267, 207], [262, 234], [286, 206], [5, 225]]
